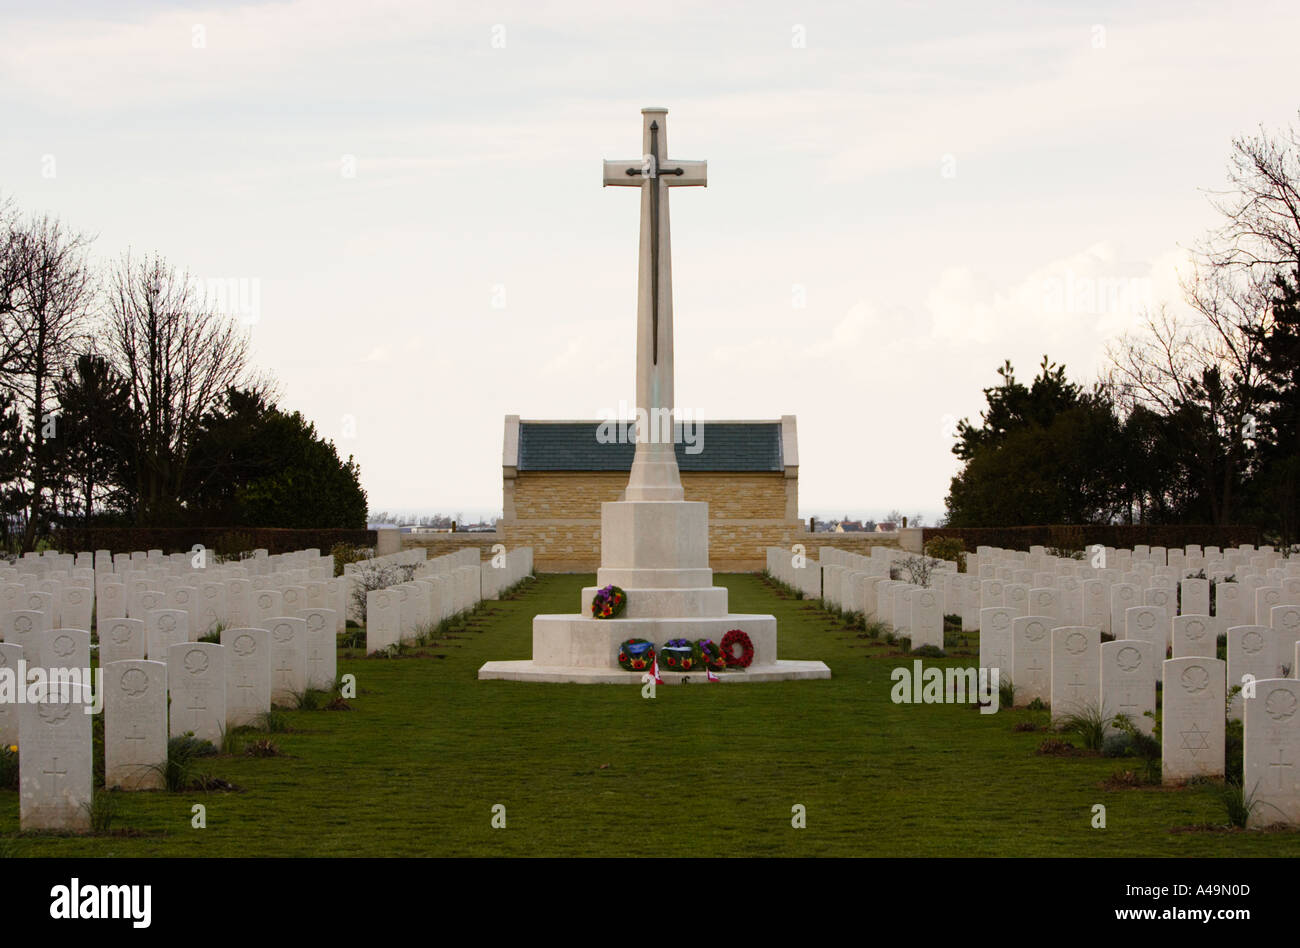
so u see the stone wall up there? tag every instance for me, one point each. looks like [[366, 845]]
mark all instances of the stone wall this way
[[557, 513], [440, 544], [577, 495], [573, 546]]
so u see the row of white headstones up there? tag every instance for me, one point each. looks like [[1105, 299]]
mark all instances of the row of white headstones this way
[[278, 617], [438, 589], [1041, 618]]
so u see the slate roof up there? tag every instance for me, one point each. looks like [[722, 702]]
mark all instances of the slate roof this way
[[572, 446]]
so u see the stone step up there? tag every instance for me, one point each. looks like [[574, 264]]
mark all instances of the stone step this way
[[665, 603]]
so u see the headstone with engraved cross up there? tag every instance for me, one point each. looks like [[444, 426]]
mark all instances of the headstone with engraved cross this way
[[1031, 657], [288, 659], [135, 724], [322, 643], [1128, 682], [196, 681], [55, 765], [995, 640], [1076, 667], [1271, 759], [248, 675]]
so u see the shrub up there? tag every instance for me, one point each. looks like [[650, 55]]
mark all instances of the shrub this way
[[234, 544], [273, 722], [1237, 803], [345, 553], [310, 699], [371, 577], [1006, 692], [1118, 744], [1144, 746], [952, 549], [231, 742], [181, 770], [1234, 746], [917, 569], [874, 629], [102, 808], [929, 651], [1088, 724]]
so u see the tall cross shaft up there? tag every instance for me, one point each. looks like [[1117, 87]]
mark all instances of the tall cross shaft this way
[[654, 467]]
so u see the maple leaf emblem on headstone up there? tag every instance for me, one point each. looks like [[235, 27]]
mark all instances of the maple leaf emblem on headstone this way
[[53, 713], [135, 682], [1280, 704], [1195, 679], [1128, 658]]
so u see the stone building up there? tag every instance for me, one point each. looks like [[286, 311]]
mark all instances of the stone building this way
[[556, 474]]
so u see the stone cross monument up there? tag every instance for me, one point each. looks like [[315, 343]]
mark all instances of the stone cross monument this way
[[654, 544], [654, 467]]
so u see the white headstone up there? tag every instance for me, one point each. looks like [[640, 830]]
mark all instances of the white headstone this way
[[1195, 635], [196, 681], [1123, 596], [1031, 657], [1271, 758], [135, 724], [121, 640], [322, 647], [55, 765], [1195, 597], [163, 629], [1192, 725], [248, 675], [1128, 681], [1076, 670], [1252, 651], [10, 656], [266, 604], [288, 659], [926, 624]]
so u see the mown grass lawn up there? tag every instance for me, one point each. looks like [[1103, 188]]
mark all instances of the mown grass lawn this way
[[428, 750]]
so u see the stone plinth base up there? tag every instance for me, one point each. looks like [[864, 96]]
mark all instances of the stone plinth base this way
[[552, 674], [582, 642]]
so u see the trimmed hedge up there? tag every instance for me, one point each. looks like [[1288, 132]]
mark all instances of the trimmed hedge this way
[[1120, 536], [220, 539]]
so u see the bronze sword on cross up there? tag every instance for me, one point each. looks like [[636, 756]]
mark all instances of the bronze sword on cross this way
[[654, 172]]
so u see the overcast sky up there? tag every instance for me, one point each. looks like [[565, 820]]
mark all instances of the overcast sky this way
[[899, 198]]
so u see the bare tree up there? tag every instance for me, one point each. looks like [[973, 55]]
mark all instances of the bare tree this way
[[49, 309], [13, 257], [178, 358], [1261, 210], [1204, 364]]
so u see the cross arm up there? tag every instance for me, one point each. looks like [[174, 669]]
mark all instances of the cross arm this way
[[628, 173], [616, 173], [693, 173]]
